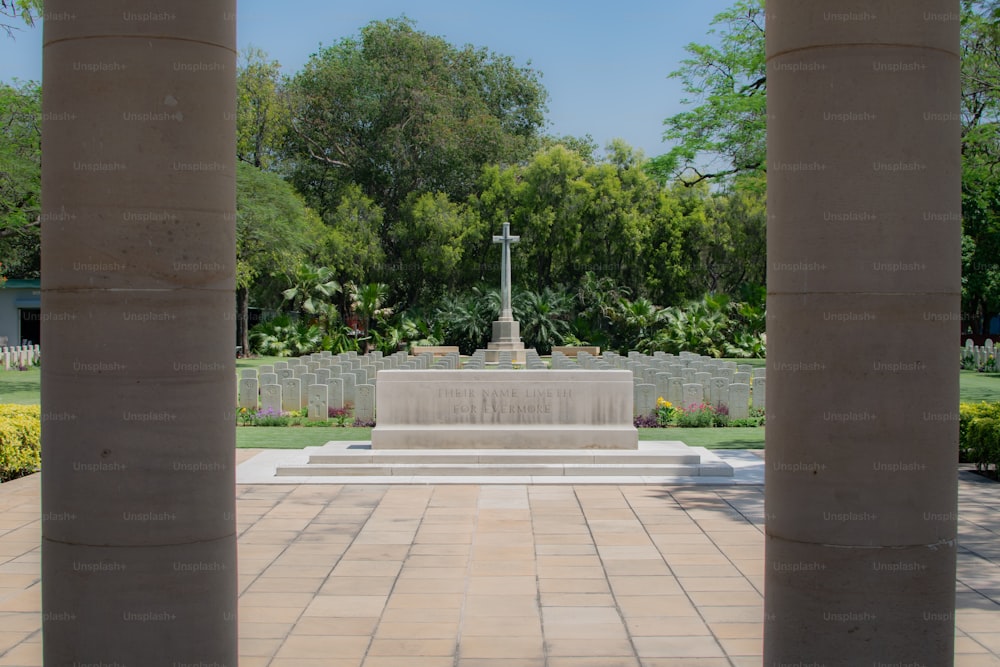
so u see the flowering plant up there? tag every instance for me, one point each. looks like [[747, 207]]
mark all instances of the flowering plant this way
[[666, 413]]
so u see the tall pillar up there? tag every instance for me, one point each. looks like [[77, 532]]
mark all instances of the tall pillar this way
[[863, 283], [138, 382]]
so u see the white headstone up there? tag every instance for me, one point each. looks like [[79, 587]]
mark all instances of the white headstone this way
[[364, 405], [270, 398], [335, 393], [291, 395], [719, 391], [759, 392], [694, 394], [675, 391], [644, 399], [319, 402], [739, 401], [248, 393], [349, 384]]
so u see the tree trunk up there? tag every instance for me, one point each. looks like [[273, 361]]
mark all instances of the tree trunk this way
[[243, 318]]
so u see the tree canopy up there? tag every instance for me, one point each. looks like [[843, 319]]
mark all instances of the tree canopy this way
[[400, 112]]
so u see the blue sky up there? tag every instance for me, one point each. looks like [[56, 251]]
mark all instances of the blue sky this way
[[604, 64]]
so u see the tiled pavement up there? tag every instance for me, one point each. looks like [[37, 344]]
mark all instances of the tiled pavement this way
[[501, 575]]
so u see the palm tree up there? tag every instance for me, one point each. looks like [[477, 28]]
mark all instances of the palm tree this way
[[465, 319], [543, 317], [368, 301], [311, 287]]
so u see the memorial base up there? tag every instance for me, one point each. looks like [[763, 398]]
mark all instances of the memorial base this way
[[504, 409]]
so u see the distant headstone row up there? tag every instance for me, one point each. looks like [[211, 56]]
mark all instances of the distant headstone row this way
[[980, 353], [323, 381], [19, 356], [684, 380], [319, 382]]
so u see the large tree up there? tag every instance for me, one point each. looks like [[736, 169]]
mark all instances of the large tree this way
[[723, 135], [275, 232], [20, 179], [13, 12], [261, 110], [400, 112]]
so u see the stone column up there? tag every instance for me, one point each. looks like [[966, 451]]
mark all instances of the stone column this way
[[863, 302], [138, 385]]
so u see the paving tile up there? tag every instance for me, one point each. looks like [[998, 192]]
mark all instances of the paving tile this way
[[507, 648], [678, 647], [411, 647], [589, 648]]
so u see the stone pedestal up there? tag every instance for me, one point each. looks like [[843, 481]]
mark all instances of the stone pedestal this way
[[506, 338]]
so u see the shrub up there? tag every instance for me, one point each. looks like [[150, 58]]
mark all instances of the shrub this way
[[646, 421], [20, 440], [979, 434], [263, 418], [696, 415]]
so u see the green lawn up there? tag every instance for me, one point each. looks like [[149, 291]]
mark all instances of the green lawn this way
[[712, 438], [23, 387], [276, 437]]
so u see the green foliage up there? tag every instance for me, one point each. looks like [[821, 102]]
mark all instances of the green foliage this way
[[979, 434], [262, 115], [368, 302], [544, 317], [20, 440], [274, 233], [20, 178], [401, 112], [729, 83], [352, 246], [282, 337], [26, 11], [312, 287]]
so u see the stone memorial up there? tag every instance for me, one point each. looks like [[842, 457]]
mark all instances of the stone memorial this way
[[506, 330], [494, 409]]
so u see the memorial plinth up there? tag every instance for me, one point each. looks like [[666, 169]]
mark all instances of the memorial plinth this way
[[506, 338], [500, 409]]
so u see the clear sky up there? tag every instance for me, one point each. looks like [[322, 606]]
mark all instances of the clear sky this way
[[604, 64]]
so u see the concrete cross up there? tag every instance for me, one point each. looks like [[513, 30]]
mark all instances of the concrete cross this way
[[506, 239]]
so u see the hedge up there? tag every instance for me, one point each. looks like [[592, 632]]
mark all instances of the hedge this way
[[979, 434], [20, 440]]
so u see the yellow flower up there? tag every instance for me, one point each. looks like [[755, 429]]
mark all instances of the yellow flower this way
[[661, 403]]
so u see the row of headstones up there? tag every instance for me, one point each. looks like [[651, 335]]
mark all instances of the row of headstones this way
[[684, 379], [19, 356], [318, 382], [980, 354], [533, 362]]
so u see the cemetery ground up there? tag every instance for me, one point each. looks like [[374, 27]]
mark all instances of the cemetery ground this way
[[512, 575], [23, 387]]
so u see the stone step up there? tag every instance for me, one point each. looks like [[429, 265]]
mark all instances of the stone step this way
[[510, 469], [502, 457]]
